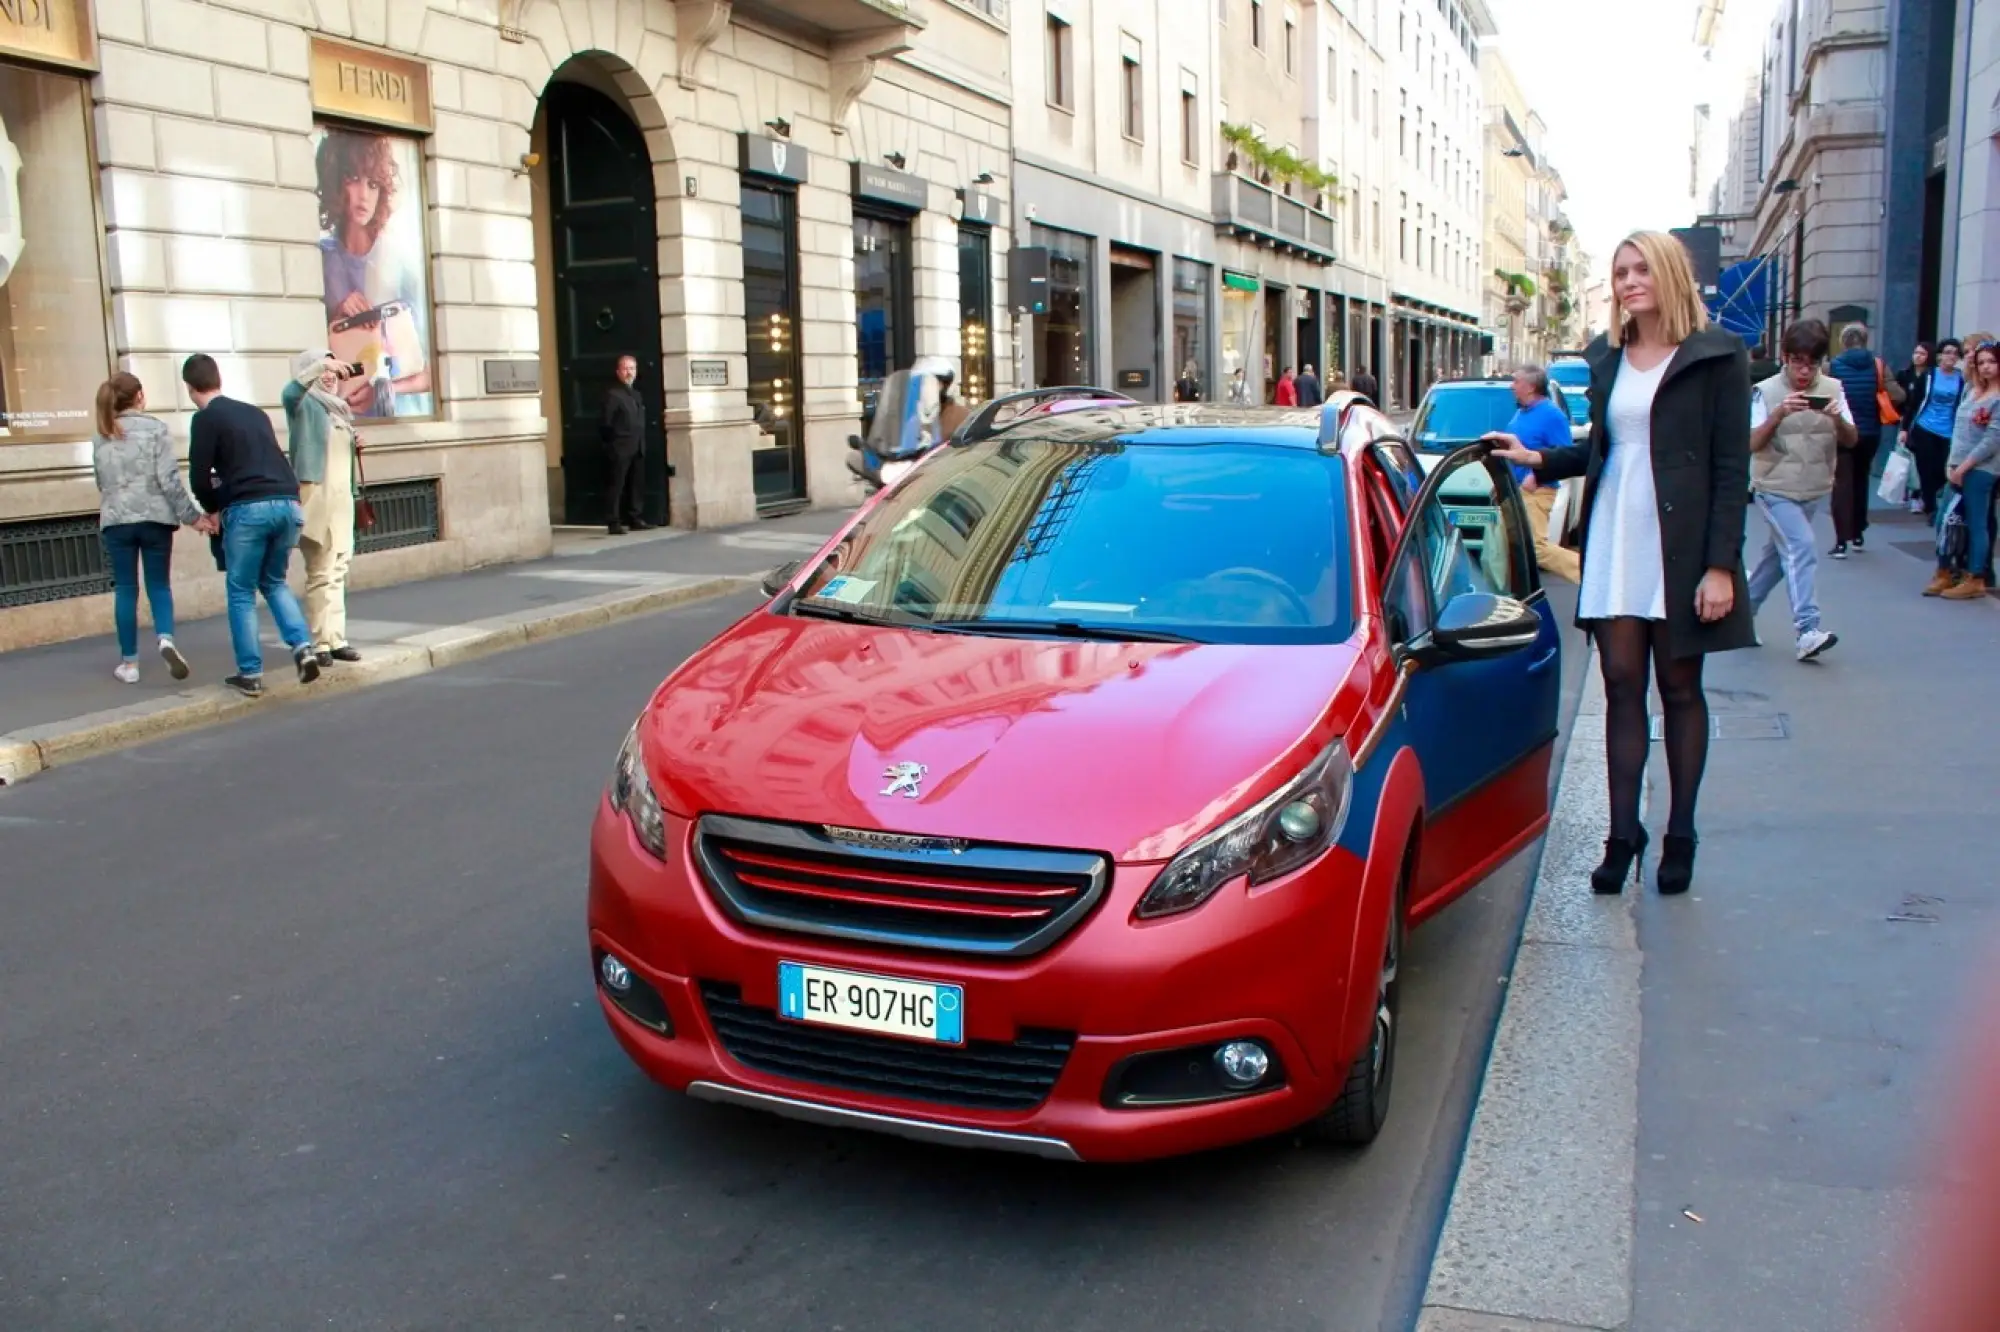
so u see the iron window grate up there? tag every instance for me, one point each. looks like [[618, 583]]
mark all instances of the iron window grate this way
[[52, 559], [407, 513]]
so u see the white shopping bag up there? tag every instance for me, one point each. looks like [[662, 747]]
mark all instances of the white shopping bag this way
[[1897, 475], [1559, 514]]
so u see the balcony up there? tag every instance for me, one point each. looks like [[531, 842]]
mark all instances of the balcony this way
[[832, 20], [1254, 212]]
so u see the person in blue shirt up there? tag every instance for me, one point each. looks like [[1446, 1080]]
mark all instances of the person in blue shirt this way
[[1930, 421], [1540, 425]]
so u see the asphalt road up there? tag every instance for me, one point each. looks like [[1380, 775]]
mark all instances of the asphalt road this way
[[297, 1031]]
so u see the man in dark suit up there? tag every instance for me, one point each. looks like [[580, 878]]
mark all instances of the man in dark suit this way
[[623, 429], [237, 470]]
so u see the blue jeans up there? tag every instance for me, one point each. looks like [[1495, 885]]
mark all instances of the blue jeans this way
[[257, 541], [1978, 501], [1789, 556], [126, 545]]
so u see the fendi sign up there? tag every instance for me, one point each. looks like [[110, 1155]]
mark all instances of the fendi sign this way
[[54, 32], [373, 87]]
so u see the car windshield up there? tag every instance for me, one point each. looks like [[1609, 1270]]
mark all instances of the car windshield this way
[[1574, 376], [1459, 415], [1209, 542]]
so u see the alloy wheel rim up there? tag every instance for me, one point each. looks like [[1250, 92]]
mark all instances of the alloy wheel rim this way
[[1385, 1016]]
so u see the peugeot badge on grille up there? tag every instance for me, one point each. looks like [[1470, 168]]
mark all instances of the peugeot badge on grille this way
[[881, 841], [904, 779]]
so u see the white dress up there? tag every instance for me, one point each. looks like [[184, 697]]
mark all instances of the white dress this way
[[1623, 572]]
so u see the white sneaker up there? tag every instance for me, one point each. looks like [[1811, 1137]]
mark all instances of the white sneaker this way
[[128, 671], [177, 665], [1815, 641]]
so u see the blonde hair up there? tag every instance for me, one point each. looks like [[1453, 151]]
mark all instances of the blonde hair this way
[[1681, 310]]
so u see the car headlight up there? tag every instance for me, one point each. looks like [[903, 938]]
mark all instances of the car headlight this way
[[1279, 834], [632, 793]]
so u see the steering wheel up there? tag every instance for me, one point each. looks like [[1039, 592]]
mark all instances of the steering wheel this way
[[1297, 610]]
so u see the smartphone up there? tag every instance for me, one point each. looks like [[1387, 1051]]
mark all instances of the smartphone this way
[[1817, 401]]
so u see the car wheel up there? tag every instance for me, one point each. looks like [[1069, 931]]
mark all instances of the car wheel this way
[[1358, 1113]]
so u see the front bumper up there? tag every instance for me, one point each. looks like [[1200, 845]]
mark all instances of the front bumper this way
[[1267, 965]]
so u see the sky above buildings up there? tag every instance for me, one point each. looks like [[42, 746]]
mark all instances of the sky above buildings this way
[[1617, 83]]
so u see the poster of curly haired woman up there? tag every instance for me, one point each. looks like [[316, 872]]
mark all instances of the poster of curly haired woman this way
[[375, 265]]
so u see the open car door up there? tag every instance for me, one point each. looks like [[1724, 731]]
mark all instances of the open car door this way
[[1467, 617]]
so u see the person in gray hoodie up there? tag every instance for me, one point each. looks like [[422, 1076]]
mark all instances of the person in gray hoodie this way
[[144, 502]]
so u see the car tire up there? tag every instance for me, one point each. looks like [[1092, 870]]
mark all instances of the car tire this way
[[1357, 1115]]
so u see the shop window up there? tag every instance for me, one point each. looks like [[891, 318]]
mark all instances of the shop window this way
[[1062, 335], [1190, 364], [771, 321], [975, 314], [54, 348], [374, 268], [884, 302]]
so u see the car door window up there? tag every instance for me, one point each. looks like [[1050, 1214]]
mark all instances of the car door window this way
[[1483, 506]]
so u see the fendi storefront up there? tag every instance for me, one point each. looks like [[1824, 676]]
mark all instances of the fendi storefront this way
[[55, 334], [485, 215]]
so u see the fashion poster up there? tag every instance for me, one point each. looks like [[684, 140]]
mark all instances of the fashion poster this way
[[373, 256]]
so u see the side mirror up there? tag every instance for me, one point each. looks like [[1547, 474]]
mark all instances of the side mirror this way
[[1481, 624], [779, 578]]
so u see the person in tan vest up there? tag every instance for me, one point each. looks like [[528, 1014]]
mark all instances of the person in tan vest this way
[[1799, 423]]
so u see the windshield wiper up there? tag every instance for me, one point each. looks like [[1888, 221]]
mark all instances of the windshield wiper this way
[[1115, 633], [832, 610]]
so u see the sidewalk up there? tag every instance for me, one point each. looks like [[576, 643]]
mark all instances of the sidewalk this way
[[1721, 1112], [60, 703]]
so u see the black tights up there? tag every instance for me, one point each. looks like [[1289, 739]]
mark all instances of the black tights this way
[[1624, 646]]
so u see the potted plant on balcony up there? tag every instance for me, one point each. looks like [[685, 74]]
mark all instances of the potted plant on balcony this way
[[1520, 289]]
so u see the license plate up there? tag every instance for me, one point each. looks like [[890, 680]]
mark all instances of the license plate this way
[[915, 1010]]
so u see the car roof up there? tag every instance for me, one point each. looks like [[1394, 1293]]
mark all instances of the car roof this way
[[1354, 421]]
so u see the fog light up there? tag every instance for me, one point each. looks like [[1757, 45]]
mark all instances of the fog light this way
[[617, 976], [1299, 821], [1242, 1063]]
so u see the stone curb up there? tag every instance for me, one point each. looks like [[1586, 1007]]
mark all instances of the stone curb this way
[[36, 749]]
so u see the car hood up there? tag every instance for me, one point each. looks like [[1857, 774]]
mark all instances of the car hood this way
[[1127, 749]]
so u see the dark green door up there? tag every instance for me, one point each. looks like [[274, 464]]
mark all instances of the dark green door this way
[[607, 289]]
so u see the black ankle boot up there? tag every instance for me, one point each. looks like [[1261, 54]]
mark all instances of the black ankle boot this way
[[1620, 856], [1676, 864]]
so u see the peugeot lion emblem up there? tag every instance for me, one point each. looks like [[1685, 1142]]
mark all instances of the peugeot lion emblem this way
[[778, 158], [904, 779]]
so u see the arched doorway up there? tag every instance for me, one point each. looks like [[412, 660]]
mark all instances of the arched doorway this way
[[607, 288]]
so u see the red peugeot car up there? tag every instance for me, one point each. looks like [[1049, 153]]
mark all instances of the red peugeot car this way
[[1076, 798]]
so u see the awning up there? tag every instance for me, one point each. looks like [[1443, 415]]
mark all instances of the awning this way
[[1238, 281]]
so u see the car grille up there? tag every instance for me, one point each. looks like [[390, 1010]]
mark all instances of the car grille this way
[[979, 1075], [903, 892]]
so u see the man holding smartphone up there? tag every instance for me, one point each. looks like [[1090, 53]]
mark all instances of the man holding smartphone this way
[[1799, 423], [325, 454]]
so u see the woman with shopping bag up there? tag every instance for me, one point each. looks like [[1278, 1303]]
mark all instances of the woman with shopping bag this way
[[1973, 469]]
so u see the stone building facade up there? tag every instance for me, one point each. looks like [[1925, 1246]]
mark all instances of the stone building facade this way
[[769, 203]]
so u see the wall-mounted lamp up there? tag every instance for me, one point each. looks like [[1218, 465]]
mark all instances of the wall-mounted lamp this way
[[529, 161], [779, 126], [896, 160], [983, 178], [1514, 152], [1785, 186]]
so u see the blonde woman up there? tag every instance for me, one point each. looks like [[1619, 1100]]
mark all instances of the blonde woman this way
[[144, 501], [1666, 482]]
